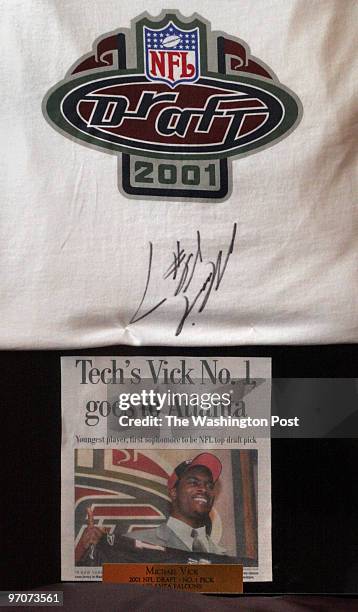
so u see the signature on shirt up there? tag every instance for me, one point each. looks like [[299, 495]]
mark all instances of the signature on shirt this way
[[190, 277]]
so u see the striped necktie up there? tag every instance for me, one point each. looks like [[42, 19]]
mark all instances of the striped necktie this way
[[197, 545]]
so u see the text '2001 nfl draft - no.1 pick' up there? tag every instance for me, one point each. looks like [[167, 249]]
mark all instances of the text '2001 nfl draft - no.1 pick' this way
[[177, 102]]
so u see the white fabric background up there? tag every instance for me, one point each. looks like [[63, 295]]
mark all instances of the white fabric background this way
[[74, 250]]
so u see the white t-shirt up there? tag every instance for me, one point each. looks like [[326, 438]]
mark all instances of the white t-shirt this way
[[190, 183]]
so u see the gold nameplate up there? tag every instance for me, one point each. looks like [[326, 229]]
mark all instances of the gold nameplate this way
[[202, 578]]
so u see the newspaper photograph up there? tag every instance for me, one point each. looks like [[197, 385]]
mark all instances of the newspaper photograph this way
[[161, 463]]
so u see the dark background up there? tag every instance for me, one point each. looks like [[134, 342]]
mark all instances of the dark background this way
[[314, 481]]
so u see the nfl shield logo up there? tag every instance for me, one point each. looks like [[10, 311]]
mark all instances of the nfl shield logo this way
[[172, 54]]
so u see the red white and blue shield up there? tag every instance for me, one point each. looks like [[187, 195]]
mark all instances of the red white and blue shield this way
[[172, 54]]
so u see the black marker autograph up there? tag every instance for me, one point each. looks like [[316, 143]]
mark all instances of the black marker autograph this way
[[184, 269]]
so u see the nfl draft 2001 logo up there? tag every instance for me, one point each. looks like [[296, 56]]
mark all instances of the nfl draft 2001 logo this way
[[176, 102]]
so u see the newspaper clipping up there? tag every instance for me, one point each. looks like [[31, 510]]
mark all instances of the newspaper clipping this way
[[161, 462]]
